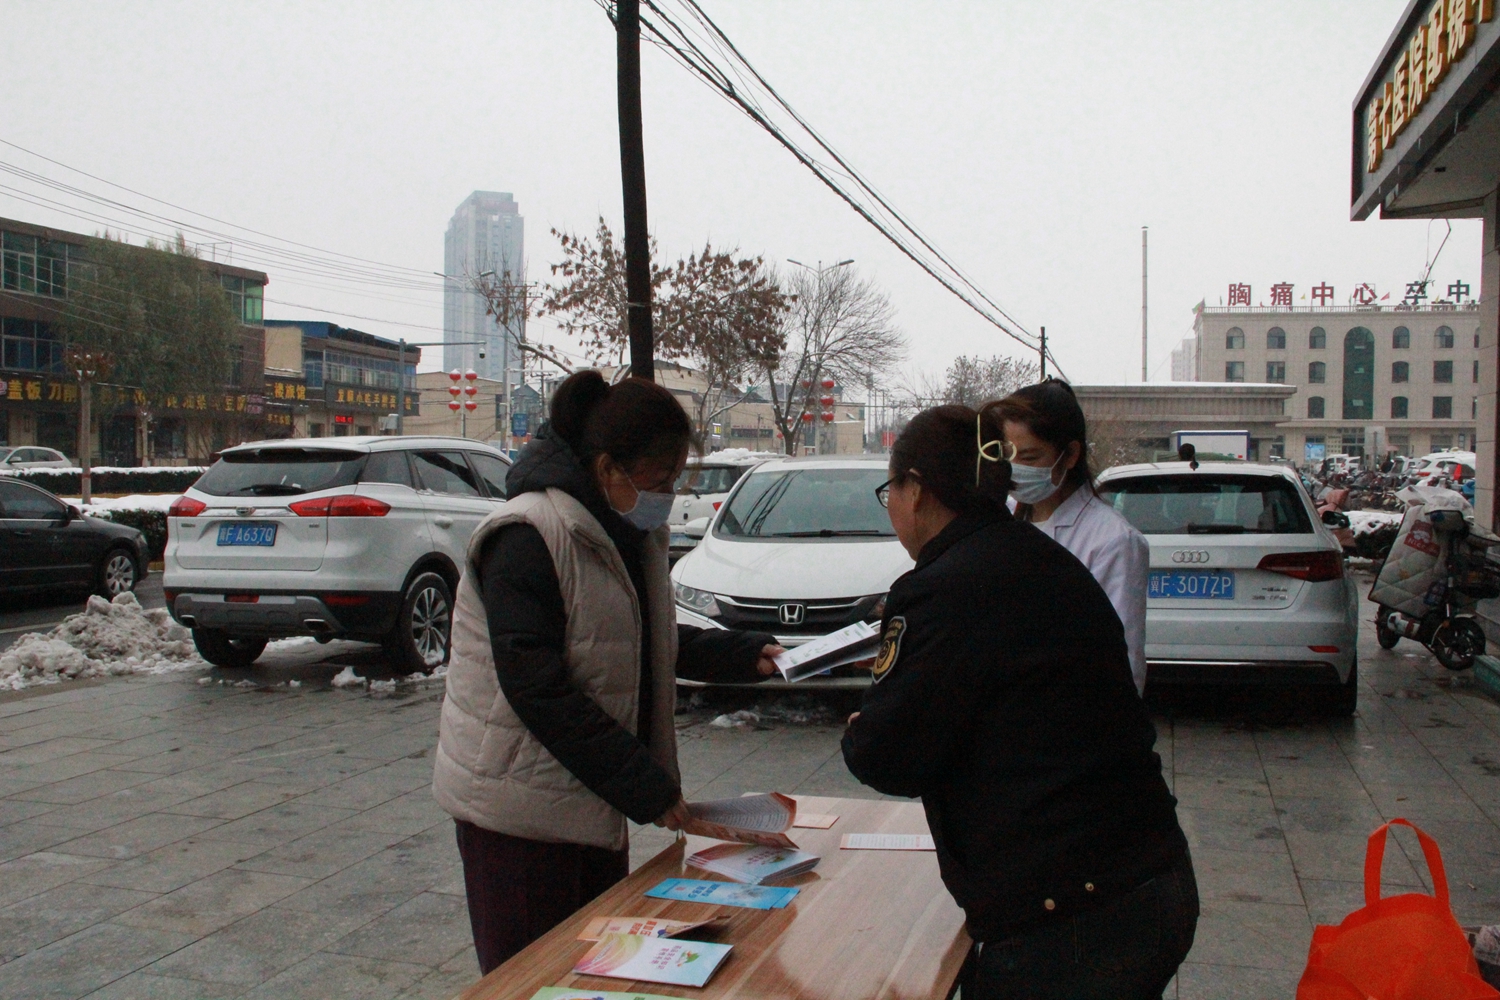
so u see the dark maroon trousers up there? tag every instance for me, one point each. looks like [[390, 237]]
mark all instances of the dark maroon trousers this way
[[520, 889]]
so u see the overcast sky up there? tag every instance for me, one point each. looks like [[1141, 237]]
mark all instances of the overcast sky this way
[[1031, 141]]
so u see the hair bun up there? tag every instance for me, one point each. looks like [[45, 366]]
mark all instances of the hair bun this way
[[572, 402]]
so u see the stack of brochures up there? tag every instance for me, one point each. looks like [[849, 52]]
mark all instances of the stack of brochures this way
[[652, 960], [752, 864], [750, 819]]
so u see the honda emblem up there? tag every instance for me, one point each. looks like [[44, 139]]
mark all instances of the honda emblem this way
[[791, 614]]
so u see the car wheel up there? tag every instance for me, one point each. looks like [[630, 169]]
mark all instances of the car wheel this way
[[117, 574], [224, 650], [1341, 701], [424, 626], [1457, 643], [1387, 637]]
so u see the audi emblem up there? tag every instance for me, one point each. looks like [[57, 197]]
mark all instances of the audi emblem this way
[[791, 614], [1194, 557]]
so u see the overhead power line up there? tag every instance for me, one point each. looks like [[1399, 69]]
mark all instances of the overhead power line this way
[[697, 43]]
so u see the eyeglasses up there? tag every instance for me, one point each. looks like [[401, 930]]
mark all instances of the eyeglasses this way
[[883, 493]]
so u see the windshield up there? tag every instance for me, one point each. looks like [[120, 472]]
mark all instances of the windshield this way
[[1209, 505], [278, 472], [708, 478], [807, 503]]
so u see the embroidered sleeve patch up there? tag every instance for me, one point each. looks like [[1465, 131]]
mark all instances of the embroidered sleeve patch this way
[[890, 648]]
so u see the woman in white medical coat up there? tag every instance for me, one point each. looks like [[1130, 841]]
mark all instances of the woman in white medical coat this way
[[1054, 490]]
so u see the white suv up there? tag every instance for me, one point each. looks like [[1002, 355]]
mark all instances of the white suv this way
[[351, 538]]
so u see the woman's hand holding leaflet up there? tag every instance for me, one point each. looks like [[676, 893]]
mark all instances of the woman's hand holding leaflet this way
[[767, 663], [674, 817]]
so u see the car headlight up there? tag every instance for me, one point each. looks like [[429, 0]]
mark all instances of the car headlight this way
[[698, 601]]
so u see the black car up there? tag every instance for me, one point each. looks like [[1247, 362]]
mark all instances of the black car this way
[[45, 544]]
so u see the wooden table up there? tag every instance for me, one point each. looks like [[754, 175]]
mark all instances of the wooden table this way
[[867, 924]]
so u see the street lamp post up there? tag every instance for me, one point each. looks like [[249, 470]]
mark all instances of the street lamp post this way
[[89, 366]]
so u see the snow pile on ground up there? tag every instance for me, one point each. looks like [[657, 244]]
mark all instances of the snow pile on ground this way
[[347, 678], [1365, 522], [107, 638]]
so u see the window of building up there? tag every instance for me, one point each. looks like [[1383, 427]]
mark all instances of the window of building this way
[[1275, 371], [1441, 442], [1401, 443], [30, 345], [1317, 340], [1315, 407], [1442, 407], [1474, 408], [1476, 339], [34, 266], [1234, 339], [1276, 339], [315, 429], [1317, 372], [1400, 371], [1400, 338], [1442, 371], [1234, 371], [1443, 339], [169, 438], [246, 298], [1476, 371], [1359, 374], [1398, 407]]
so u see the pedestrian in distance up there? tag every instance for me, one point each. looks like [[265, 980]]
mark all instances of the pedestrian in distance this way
[[558, 721], [1054, 490], [1003, 699]]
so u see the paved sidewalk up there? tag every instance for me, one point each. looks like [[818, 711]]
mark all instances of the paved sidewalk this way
[[161, 838]]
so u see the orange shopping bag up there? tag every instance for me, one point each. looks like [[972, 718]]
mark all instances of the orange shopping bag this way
[[1406, 947]]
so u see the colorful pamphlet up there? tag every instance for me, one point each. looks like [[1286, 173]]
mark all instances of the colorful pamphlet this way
[[887, 842], [653, 960], [567, 993], [815, 821], [645, 926], [749, 819], [847, 645], [753, 864], [753, 897]]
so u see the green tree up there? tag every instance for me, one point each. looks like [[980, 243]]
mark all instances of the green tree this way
[[162, 317]]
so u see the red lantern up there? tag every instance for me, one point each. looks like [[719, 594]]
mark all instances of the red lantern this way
[[454, 375], [471, 389], [827, 418], [453, 390], [471, 375], [453, 405], [827, 401], [828, 383], [807, 383], [470, 405], [807, 418]]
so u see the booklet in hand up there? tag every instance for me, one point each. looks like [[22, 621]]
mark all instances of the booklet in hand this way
[[653, 960], [847, 645], [753, 864], [751, 819]]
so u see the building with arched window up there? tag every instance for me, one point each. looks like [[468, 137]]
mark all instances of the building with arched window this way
[[1368, 380]]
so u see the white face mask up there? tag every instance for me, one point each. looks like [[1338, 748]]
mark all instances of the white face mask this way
[[1033, 482], [650, 510]]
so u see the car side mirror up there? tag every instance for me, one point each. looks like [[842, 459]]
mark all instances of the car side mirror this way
[[696, 528], [1335, 519]]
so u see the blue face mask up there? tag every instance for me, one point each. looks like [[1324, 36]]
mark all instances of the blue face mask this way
[[1033, 483], [651, 510]]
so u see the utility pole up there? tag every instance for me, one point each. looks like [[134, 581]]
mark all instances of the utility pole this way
[[1144, 374], [633, 188], [1044, 354], [400, 386], [89, 366]]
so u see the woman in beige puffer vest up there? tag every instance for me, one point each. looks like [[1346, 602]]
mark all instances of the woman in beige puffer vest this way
[[558, 721]]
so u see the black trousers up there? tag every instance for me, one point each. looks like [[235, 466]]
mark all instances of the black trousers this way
[[520, 889], [1127, 949]]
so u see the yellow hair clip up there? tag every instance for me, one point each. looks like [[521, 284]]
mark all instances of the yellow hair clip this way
[[999, 445]]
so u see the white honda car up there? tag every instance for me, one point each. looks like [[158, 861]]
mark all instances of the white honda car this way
[[350, 538], [1247, 585], [800, 548]]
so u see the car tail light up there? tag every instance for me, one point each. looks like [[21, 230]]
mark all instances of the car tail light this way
[[242, 598], [170, 596], [1314, 567], [343, 505], [186, 507], [345, 600], [1324, 649]]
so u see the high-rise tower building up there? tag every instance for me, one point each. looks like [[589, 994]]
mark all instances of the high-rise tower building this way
[[486, 234]]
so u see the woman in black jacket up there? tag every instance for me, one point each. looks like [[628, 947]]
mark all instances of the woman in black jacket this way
[[1003, 699]]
